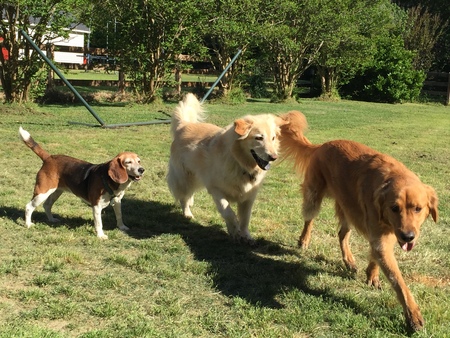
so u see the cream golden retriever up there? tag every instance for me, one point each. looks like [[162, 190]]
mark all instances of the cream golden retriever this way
[[230, 162], [378, 195]]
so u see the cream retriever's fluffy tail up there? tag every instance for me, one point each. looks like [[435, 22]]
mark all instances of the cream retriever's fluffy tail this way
[[32, 144], [293, 144], [190, 110]]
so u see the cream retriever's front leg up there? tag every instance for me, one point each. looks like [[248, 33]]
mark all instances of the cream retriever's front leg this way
[[231, 220], [97, 211], [117, 206], [244, 214]]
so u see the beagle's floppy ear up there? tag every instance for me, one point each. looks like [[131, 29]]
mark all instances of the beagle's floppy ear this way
[[433, 203], [117, 171], [242, 127]]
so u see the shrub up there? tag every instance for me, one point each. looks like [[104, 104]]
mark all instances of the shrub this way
[[257, 86], [391, 78]]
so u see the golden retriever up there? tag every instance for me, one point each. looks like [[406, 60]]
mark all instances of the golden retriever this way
[[99, 185], [230, 162], [378, 195]]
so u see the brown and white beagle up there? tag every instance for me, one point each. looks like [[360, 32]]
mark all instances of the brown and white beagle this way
[[96, 184]]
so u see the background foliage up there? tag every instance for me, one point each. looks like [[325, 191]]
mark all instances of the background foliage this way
[[337, 38]]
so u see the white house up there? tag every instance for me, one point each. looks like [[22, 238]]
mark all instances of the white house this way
[[70, 50]]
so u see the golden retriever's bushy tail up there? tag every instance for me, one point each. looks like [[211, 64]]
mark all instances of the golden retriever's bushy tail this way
[[32, 144], [190, 110], [293, 144]]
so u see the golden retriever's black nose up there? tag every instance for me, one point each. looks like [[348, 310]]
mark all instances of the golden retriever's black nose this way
[[408, 236], [141, 170]]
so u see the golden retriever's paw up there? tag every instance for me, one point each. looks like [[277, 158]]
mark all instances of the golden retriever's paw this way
[[351, 265], [415, 320], [302, 244], [247, 241], [374, 281], [188, 215], [102, 236]]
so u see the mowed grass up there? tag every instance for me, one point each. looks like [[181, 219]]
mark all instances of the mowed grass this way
[[80, 74], [169, 277]]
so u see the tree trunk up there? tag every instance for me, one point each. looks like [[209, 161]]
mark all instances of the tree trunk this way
[[50, 49], [121, 81], [328, 81], [178, 79]]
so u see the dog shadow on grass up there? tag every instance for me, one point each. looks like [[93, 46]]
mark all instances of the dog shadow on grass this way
[[260, 274]]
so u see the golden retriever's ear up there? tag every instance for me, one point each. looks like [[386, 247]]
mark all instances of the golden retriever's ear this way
[[433, 203], [379, 198], [242, 127], [117, 171], [280, 121]]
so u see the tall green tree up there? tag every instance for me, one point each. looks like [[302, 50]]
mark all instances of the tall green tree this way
[[149, 36], [42, 21], [231, 25], [350, 35], [289, 36]]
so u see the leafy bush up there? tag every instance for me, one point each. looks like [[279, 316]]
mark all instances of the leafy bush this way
[[234, 96], [257, 86], [391, 78]]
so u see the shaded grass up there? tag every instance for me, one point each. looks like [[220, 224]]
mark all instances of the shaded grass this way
[[169, 277]]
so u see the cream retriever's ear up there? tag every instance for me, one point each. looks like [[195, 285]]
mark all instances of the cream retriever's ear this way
[[117, 171], [433, 203], [242, 127]]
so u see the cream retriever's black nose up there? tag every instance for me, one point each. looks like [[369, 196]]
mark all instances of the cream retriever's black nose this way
[[408, 236], [272, 157], [141, 170]]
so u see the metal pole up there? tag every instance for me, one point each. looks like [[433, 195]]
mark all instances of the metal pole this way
[[50, 63], [221, 75]]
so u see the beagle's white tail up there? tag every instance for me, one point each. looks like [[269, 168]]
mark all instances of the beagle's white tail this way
[[32, 144]]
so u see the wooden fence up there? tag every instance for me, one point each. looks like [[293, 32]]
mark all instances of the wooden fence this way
[[437, 85]]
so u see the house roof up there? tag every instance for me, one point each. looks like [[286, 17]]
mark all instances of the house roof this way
[[76, 27]]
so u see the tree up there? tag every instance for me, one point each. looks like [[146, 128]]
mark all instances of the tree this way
[[441, 50], [231, 26], [43, 21], [349, 39], [421, 35], [289, 37], [149, 37]]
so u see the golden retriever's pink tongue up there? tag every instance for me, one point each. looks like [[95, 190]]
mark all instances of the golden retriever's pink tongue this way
[[408, 246]]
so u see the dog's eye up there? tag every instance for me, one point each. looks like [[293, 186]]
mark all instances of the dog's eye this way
[[273, 138], [395, 208], [259, 138], [418, 209]]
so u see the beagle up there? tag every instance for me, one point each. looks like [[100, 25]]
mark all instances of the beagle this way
[[96, 184]]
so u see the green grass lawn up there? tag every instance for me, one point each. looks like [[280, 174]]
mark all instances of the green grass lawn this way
[[169, 277], [77, 74]]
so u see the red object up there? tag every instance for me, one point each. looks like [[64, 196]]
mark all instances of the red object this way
[[4, 50]]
